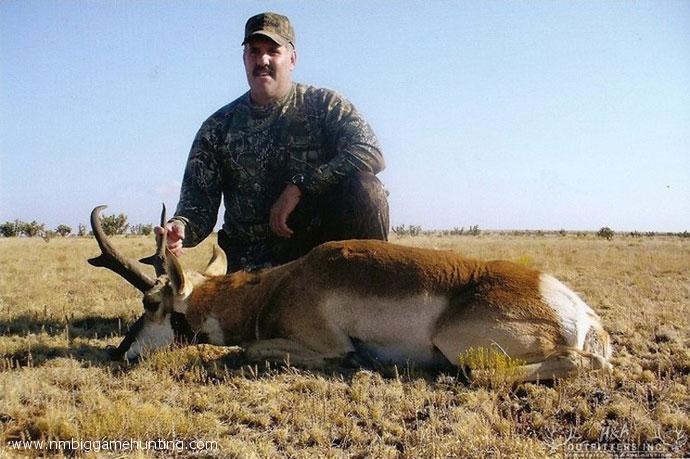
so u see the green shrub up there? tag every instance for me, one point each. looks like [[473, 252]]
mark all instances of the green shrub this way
[[10, 229], [402, 230], [490, 368], [63, 230], [606, 232], [141, 229], [114, 224], [32, 229]]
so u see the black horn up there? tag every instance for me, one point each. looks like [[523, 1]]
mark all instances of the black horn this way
[[111, 259], [157, 260]]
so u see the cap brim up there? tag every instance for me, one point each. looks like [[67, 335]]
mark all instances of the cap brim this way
[[270, 35]]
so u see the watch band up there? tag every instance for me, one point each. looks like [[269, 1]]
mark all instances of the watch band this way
[[298, 181]]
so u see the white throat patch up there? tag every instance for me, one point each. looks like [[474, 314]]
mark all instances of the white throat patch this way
[[153, 335]]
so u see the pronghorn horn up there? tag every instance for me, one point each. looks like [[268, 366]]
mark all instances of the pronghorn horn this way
[[157, 260], [218, 265], [111, 259]]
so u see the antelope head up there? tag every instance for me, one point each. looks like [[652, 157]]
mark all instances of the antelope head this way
[[165, 297]]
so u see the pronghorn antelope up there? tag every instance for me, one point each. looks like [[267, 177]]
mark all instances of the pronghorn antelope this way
[[365, 301]]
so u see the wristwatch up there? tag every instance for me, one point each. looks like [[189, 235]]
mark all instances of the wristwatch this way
[[298, 181]]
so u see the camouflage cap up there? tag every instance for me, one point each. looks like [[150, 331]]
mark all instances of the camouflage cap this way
[[272, 25]]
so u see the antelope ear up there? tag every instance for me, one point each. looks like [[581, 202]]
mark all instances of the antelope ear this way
[[178, 279], [218, 265]]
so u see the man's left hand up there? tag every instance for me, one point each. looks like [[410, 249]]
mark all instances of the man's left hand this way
[[282, 208]]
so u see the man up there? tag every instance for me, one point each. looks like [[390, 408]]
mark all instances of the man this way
[[294, 164]]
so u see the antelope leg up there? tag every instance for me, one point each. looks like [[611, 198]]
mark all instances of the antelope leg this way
[[562, 365], [284, 350]]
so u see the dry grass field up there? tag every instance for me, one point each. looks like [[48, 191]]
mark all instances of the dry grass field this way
[[61, 396]]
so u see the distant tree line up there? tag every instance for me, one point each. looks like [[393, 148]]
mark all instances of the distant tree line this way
[[416, 230], [473, 230], [112, 225], [117, 224]]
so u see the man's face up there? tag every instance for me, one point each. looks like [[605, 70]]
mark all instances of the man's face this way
[[269, 69]]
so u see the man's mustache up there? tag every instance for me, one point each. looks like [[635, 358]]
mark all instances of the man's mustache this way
[[259, 69]]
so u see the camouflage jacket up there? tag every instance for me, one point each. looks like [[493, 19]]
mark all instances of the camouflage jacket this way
[[248, 154]]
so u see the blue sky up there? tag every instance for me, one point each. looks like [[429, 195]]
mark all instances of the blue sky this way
[[506, 115]]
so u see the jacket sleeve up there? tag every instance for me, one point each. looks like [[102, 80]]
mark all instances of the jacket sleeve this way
[[201, 189], [355, 145]]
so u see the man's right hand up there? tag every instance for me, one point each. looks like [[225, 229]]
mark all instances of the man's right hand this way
[[175, 232]]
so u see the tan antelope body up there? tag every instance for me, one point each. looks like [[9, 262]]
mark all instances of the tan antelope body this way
[[373, 301]]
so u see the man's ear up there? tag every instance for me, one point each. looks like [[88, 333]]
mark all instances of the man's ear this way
[[293, 57], [178, 280]]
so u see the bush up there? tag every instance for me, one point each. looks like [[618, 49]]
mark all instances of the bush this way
[[402, 230], [114, 224], [141, 229], [10, 229], [32, 229], [63, 230], [472, 231], [606, 233]]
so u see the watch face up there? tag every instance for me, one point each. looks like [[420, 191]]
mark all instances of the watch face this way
[[297, 179]]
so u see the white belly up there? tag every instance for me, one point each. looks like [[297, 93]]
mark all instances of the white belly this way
[[393, 330]]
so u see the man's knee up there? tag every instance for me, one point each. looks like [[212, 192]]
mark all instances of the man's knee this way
[[363, 207], [364, 190]]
